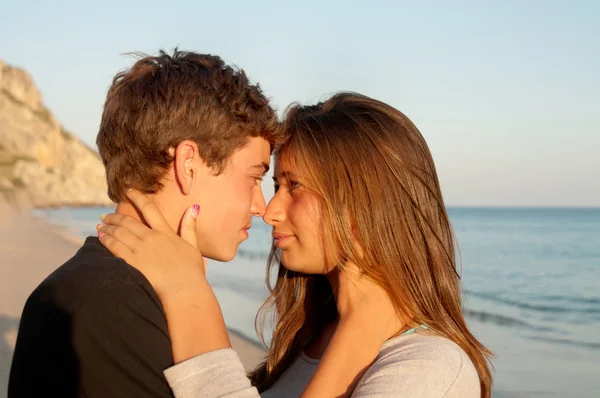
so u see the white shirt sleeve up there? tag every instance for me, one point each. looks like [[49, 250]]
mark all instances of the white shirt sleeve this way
[[215, 374]]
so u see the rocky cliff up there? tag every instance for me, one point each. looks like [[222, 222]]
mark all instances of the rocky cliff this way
[[42, 164]]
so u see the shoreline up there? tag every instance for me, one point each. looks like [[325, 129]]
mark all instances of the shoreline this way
[[58, 230], [30, 249]]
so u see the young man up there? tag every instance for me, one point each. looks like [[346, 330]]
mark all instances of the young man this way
[[184, 129]]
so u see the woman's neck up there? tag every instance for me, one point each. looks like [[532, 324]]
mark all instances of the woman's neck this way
[[346, 286], [346, 293]]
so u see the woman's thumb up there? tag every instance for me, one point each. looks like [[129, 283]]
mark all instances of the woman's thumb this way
[[188, 226]]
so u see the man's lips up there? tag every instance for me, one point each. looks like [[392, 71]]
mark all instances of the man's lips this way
[[246, 229]]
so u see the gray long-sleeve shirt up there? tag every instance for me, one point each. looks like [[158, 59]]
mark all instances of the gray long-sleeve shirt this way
[[415, 365]]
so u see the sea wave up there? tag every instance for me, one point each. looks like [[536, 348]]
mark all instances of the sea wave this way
[[584, 305], [504, 320]]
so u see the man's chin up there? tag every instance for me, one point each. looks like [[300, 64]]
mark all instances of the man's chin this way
[[223, 257]]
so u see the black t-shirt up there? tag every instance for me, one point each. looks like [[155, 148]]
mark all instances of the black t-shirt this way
[[93, 328]]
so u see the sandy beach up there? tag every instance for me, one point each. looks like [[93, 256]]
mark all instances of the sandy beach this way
[[30, 249]]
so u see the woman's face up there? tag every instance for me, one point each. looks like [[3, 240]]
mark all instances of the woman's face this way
[[294, 214]]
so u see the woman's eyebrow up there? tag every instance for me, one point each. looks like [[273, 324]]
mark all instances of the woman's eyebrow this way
[[287, 175]]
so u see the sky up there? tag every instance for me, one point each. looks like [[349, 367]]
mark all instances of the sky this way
[[506, 93]]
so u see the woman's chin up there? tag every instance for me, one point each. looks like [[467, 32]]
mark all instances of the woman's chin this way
[[290, 264], [299, 267]]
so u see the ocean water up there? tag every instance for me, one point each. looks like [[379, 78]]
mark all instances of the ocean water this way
[[531, 281]]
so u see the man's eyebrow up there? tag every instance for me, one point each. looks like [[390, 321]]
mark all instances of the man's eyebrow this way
[[262, 166]]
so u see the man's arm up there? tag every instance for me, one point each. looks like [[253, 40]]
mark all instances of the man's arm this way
[[121, 341]]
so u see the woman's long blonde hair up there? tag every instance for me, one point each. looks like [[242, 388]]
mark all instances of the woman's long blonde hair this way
[[377, 184]]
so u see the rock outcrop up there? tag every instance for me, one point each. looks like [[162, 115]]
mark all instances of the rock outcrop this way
[[42, 164]]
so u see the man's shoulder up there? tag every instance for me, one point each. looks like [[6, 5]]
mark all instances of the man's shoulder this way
[[91, 270], [86, 322]]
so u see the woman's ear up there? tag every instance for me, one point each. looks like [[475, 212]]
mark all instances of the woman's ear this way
[[354, 230], [351, 222]]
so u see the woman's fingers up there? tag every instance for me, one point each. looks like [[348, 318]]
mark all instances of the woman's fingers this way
[[188, 226], [121, 234], [116, 247], [134, 226], [149, 211], [172, 263]]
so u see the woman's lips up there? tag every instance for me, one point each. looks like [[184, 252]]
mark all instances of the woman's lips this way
[[281, 240]]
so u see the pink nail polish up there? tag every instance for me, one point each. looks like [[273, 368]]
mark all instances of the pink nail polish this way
[[195, 210], [101, 234]]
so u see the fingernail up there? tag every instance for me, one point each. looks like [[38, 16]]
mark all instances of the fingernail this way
[[129, 190], [195, 210], [98, 226], [101, 234], [102, 216]]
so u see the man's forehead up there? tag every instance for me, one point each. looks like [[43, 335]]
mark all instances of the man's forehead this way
[[255, 152]]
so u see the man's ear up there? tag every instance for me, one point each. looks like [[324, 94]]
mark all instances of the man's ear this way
[[185, 164]]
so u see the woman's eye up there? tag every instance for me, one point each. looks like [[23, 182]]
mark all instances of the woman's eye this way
[[291, 185]]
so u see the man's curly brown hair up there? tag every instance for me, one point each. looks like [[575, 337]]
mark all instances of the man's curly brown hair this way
[[166, 99]]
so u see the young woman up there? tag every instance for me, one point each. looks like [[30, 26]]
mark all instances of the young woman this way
[[367, 300]]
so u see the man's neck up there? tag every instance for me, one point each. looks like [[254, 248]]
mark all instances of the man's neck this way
[[127, 209]]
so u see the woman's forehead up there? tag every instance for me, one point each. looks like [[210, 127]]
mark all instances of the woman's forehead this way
[[284, 164]]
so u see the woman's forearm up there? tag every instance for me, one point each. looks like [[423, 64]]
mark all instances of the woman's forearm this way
[[204, 363], [348, 356], [195, 321]]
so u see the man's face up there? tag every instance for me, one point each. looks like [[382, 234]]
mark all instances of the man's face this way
[[228, 201]]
